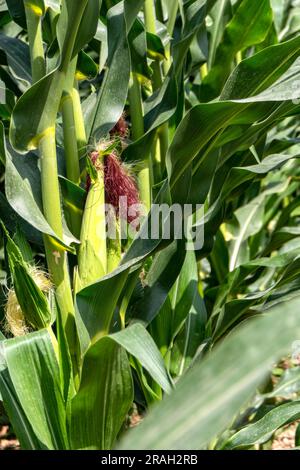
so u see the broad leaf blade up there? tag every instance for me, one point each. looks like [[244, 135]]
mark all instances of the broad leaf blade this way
[[210, 395], [138, 342], [39, 393], [249, 26], [262, 430], [104, 397]]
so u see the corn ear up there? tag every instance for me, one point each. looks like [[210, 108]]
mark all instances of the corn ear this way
[[29, 284], [92, 256]]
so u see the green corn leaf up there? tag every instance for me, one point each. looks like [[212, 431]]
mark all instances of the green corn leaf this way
[[39, 394], [163, 273], [155, 47], [104, 397], [7, 101], [278, 91], [262, 430], [297, 437], [211, 119], [44, 96], [18, 59], [74, 198], [185, 291], [101, 37], [131, 9], [230, 311], [178, 305], [109, 104], [250, 23], [86, 68], [194, 16], [255, 74], [287, 386], [17, 12], [32, 301], [280, 237], [96, 304], [238, 175], [159, 108], [187, 344], [88, 24], [23, 192], [199, 409], [145, 324], [21, 424], [143, 246], [38, 6], [113, 93], [220, 14], [23, 245], [138, 51], [250, 221], [54, 4], [138, 342], [279, 9], [12, 220], [199, 50], [65, 365], [233, 310], [90, 324], [199, 125]]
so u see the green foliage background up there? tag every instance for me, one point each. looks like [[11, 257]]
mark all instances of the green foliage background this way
[[210, 90]]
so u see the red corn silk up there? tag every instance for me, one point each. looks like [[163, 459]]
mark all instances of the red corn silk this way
[[120, 128], [95, 160], [88, 183], [119, 183]]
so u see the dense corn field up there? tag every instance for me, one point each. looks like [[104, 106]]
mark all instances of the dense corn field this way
[[149, 210]]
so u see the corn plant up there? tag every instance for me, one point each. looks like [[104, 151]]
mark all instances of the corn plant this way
[[149, 209]]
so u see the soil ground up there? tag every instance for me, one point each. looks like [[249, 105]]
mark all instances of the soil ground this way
[[7, 439], [284, 440]]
